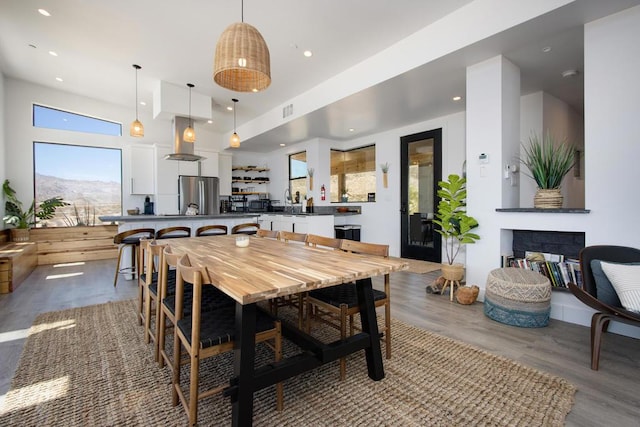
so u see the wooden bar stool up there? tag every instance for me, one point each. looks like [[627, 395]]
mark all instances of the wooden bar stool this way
[[247, 228], [173, 232], [211, 230], [131, 238]]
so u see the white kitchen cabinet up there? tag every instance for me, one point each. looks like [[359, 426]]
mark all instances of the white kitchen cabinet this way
[[187, 168], [210, 165], [167, 173], [224, 173], [142, 169], [321, 225]]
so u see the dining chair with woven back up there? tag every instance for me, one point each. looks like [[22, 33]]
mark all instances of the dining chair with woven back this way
[[207, 334], [246, 228], [336, 305], [212, 230], [212, 298]]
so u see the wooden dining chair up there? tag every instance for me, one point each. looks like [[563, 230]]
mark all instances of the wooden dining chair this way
[[271, 234], [297, 300], [212, 298], [322, 241], [173, 232], [212, 230], [150, 282], [290, 236], [246, 228], [337, 305], [131, 239], [204, 335]]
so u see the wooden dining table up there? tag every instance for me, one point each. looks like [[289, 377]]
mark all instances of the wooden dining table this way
[[267, 269]]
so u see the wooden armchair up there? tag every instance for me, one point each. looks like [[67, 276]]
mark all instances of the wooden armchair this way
[[588, 294], [212, 230]]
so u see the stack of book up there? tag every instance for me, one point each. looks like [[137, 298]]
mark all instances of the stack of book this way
[[555, 267]]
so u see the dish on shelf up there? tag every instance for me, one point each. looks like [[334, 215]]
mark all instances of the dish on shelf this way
[[342, 210]]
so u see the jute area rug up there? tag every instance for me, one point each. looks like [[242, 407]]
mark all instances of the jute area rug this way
[[90, 367]]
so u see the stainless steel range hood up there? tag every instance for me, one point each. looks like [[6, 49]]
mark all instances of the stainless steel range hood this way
[[182, 150]]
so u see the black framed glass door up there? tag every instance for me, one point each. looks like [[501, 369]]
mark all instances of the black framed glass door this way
[[421, 158]]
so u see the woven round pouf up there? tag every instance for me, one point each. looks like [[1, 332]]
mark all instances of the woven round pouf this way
[[518, 297]]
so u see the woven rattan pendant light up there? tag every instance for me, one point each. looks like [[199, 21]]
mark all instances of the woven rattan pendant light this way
[[242, 61], [189, 134], [234, 142], [136, 128]]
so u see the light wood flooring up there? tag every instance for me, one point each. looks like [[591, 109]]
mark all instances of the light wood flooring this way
[[608, 397]]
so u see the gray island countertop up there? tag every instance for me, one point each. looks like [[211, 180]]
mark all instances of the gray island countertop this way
[[232, 215]]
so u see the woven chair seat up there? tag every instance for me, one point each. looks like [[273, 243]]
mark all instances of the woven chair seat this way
[[219, 326], [343, 294], [212, 299], [171, 279]]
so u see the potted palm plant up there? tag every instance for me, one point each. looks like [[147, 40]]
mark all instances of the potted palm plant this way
[[22, 219], [455, 226], [548, 161]]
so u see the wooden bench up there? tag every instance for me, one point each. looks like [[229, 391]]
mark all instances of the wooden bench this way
[[17, 261], [74, 244]]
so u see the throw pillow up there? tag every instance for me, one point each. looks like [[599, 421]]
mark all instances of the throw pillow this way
[[625, 279], [604, 288]]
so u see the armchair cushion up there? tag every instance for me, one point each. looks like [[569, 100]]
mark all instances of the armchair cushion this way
[[604, 289], [625, 279]]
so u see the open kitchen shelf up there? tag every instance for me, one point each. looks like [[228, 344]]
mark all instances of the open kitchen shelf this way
[[249, 168]]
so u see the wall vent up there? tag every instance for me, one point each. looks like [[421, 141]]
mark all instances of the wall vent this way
[[287, 111]]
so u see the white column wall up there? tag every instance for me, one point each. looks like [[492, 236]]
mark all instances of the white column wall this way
[[3, 161], [493, 122]]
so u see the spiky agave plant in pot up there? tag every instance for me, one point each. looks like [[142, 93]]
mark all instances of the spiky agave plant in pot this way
[[455, 226], [548, 161]]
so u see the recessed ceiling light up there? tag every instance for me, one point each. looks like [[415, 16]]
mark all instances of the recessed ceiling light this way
[[308, 53], [59, 79], [52, 53], [210, 121], [230, 108], [282, 145], [457, 98], [43, 12], [546, 49], [143, 103], [351, 129]]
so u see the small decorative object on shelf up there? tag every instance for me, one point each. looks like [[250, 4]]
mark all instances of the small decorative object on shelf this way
[[385, 169], [310, 172]]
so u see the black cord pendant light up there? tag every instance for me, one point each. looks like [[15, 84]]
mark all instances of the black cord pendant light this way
[[136, 128], [189, 134], [234, 142]]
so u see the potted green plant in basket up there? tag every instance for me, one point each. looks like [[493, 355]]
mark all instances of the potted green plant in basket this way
[[23, 219], [548, 161], [455, 226]]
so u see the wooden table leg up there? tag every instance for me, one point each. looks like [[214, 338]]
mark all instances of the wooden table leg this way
[[243, 366], [373, 353]]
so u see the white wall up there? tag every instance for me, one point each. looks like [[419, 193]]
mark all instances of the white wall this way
[[18, 151], [3, 161], [380, 221]]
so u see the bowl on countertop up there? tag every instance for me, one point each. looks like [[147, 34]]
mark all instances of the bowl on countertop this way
[[342, 210], [135, 211]]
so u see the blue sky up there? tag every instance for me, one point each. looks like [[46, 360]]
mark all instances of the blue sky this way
[[78, 162]]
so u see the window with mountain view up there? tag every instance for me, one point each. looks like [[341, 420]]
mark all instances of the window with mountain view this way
[[88, 178]]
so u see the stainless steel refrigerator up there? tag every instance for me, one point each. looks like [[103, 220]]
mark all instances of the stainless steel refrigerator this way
[[202, 190]]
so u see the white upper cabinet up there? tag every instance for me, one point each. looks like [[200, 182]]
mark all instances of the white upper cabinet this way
[[142, 168], [167, 176], [208, 166]]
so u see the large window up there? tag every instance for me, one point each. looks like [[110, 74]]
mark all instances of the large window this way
[[353, 174], [88, 178], [52, 118], [298, 176]]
